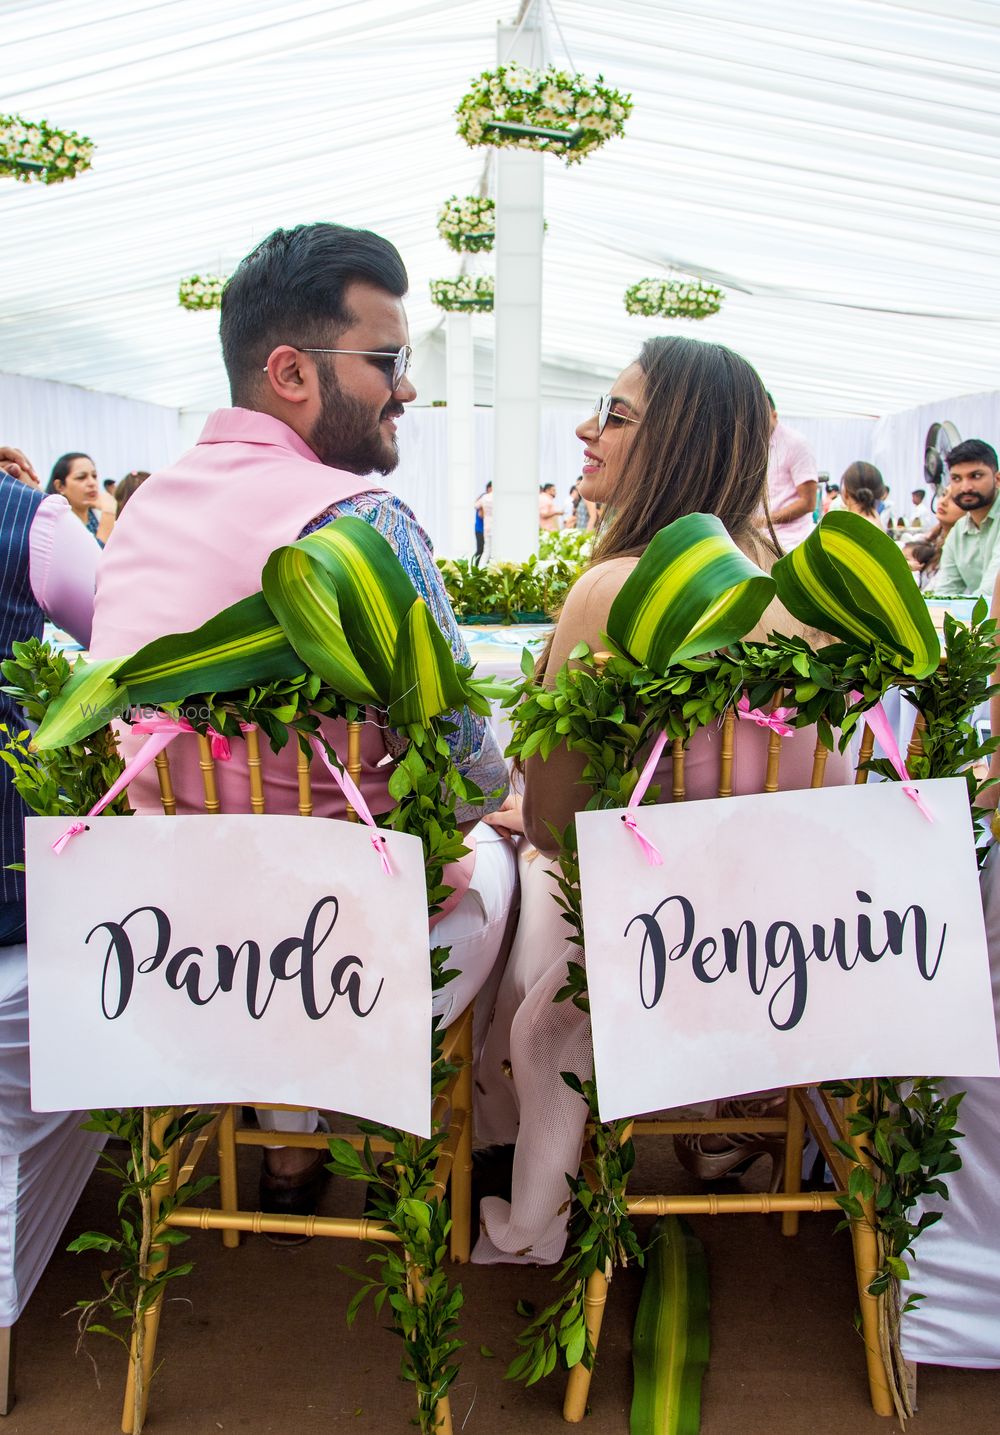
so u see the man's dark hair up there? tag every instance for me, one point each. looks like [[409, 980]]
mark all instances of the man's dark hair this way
[[290, 290], [973, 450], [919, 494]]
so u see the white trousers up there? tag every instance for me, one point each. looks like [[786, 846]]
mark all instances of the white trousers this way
[[474, 931]]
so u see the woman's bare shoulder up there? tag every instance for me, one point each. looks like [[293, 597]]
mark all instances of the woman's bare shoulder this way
[[588, 603]]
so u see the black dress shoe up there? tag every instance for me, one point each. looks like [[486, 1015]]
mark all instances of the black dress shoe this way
[[295, 1195]]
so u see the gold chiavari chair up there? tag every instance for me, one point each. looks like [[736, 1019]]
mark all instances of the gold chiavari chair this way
[[452, 1109], [810, 1109]]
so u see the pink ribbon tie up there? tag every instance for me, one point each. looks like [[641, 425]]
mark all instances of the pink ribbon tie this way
[[71, 831], [650, 849], [878, 721], [353, 794], [777, 721]]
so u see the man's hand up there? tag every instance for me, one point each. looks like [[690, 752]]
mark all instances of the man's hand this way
[[13, 461]]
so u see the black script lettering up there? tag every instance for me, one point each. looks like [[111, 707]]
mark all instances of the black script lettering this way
[[895, 926], [654, 947], [731, 946], [190, 979], [307, 945], [865, 948], [120, 953], [228, 961], [352, 990], [705, 949], [797, 977], [838, 945]]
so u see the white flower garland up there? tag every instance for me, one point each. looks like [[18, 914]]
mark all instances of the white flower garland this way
[[548, 99], [674, 298], [469, 291], [37, 150], [467, 224], [202, 291]]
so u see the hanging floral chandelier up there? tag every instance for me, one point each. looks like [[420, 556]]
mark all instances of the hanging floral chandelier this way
[[674, 298], [35, 150], [549, 110], [201, 291], [466, 293], [468, 224]]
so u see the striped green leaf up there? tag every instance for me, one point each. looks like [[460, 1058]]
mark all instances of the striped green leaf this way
[[850, 579], [240, 646], [670, 1341], [692, 591], [373, 592], [91, 698], [425, 680], [304, 597]]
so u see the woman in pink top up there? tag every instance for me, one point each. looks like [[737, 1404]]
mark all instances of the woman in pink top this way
[[684, 430]]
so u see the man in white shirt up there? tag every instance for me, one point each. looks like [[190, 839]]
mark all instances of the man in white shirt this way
[[920, 515]]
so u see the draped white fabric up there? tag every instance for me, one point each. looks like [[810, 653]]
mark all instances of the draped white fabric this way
[[45, 420], [835, 166]]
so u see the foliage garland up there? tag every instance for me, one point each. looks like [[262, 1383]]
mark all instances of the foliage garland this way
[[201, 291], [577, 115], [499, 592], [468, 225], [466, 293], [674, 298], [608, 709], [35, 150]]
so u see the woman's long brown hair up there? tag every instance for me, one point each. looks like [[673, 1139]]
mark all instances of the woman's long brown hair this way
[[701, 446]]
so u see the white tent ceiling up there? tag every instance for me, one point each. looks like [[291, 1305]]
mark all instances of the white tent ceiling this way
[[835, 165]]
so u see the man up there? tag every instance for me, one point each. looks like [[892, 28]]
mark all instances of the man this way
[[970, 559], [315, 343], [549, 512], [792, 477], [486, 497], [920, 515]]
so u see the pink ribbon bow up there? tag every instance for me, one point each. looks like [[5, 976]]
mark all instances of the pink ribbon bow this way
[[353, 795], [776, 720], [879, 723], [649, 848]]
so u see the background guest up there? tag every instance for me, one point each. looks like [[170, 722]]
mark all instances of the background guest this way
[[920, 515], [549, 512], [792, 478], [125, 488], [74, 476], [863, 490]]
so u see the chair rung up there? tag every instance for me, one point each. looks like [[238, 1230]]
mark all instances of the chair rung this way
[[308, 1140], [354, 1228], [762, 1203], [707, 1126]]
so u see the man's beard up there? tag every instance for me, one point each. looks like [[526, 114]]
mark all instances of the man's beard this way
[[969, 501], [345, 436]]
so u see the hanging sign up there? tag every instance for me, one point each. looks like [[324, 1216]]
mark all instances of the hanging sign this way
[[188, 960], [783, 939]]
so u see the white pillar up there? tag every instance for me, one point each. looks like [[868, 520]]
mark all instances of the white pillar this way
[[460, 393], [518, 316]]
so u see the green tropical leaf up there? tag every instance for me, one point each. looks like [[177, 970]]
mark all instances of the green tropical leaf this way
[[373, 592], [692, 591], [425, 680], [671, 1338], [850, 579], [92, 697], [241, 645], [304, 598]]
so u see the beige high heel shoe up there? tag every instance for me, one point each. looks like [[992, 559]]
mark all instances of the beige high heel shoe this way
[[711, 1157]]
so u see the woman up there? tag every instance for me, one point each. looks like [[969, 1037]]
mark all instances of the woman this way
[[127, 486], [75, 477], [863, 490], [684, 430]]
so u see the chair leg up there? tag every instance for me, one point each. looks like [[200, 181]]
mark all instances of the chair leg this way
[[794, 1141], [442, 1411], [595, 1299], [133, 1419], [461, 1170], [8, 1347], [229, 1199], [866, 1267]]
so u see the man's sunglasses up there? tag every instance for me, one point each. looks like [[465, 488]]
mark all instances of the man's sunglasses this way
[[605, 416], [400, 360]]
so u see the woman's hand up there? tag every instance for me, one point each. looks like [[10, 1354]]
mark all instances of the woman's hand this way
[[508, 819]]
